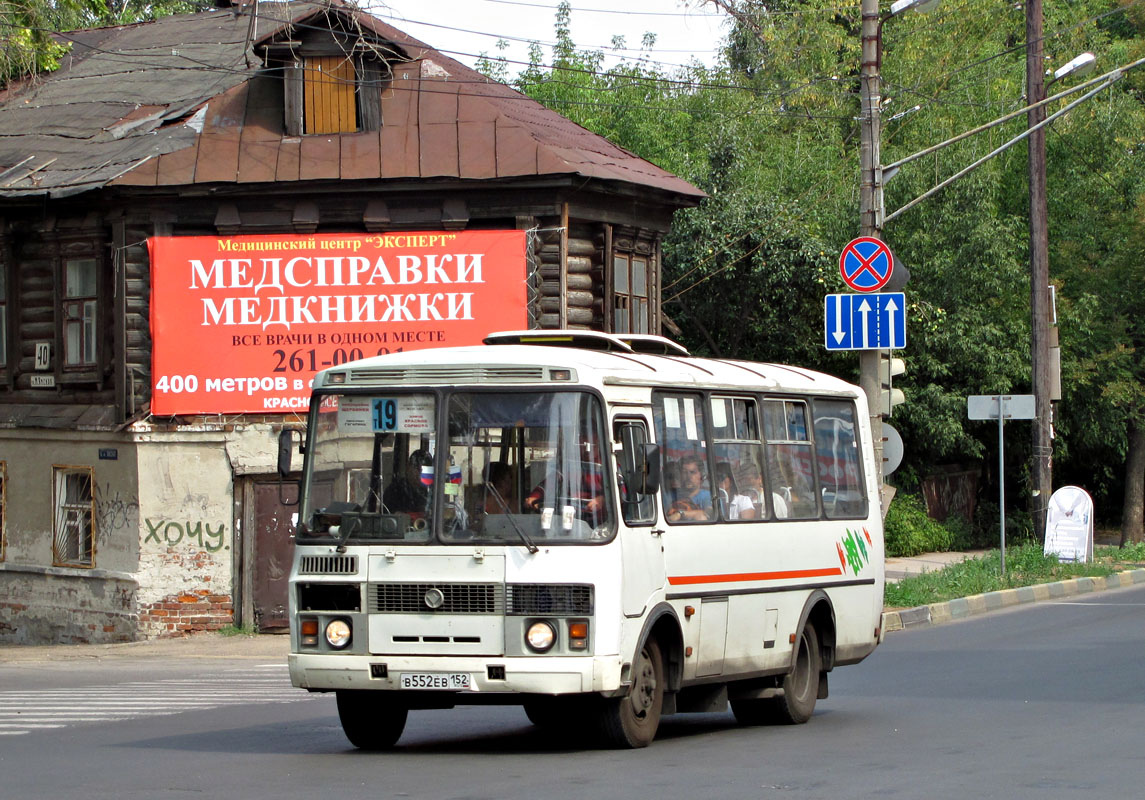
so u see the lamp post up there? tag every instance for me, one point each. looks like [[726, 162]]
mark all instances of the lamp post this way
[[871, 206]]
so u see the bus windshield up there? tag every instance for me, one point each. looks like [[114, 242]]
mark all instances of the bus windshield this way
[[511, 468]]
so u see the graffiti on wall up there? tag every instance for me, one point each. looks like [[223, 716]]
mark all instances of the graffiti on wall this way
[[114, 511], [171, 533]]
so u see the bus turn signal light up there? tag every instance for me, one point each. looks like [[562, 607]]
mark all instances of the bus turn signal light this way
[[308, 630], [578, 635]]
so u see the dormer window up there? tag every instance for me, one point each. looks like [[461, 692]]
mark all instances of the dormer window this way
[[332, 79], [329, 94]]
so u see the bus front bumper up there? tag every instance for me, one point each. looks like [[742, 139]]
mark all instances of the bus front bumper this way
[[531, 675]]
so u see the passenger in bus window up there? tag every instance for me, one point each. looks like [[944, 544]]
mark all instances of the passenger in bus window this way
[[751, 483], [693, 500], [407, 492], [584, 491], [734, 504]]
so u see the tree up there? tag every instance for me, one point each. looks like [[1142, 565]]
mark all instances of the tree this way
[[27, 42]]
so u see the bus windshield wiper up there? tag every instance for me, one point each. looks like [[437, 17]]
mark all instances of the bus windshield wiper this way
[[532, 548]]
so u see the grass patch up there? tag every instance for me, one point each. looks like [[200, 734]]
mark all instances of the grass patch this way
[[237, 630], [1025, 566]]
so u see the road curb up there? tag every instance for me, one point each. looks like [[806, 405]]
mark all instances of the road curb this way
[[960, 608]]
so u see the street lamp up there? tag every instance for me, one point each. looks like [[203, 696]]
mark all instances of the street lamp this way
[[1077, 67]]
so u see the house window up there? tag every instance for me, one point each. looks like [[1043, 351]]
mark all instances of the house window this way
[[3, 507], [630, 294], [81, 278], [74, 542], [329, 101]]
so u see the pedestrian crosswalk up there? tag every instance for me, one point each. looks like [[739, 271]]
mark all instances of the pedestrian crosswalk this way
[[23, 712]]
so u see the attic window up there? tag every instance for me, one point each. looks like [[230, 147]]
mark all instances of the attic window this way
[[332, 92], [329, 98]]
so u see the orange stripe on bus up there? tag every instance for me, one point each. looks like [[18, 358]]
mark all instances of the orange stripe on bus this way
[[684, 580]]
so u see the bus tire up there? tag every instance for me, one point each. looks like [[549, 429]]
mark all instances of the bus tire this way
[[371, 720], [631, 721], [800, 689]]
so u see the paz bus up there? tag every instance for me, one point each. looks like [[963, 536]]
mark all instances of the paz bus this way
[[600, 528]]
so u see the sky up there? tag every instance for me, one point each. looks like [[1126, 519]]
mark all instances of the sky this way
[[463, 29]]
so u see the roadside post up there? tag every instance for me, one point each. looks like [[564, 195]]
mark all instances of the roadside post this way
[[872, 322], [1001, 407]]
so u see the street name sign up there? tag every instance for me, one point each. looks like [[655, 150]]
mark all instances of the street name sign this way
[[865, 321], [1014, 406], [1001, 407], [866, 264]]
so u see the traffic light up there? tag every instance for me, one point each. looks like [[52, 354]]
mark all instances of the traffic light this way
[[889, 367]]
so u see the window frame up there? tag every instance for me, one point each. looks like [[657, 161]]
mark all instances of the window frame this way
[[643, 512], [808, 443], [855, 463], [84, 508], [76, 250], [738, 440], [636, 307], [700, 451]]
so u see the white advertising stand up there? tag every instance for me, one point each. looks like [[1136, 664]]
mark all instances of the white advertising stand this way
[[1069, 525]]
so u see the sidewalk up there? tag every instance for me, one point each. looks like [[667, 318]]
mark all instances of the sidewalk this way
[[906, 567], [266, 647]]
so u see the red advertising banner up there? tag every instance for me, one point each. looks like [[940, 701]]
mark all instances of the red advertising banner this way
[[240, 324]]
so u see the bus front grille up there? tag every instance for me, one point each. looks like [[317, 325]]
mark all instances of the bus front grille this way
[[436, 598], [549, 599], [328, 565]]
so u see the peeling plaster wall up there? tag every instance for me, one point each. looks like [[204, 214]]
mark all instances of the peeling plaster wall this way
[[166, 552], [186, 536], [189, 547], [44, 604]]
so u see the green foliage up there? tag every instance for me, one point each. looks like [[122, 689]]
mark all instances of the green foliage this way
[[236, 630], [908, 531]]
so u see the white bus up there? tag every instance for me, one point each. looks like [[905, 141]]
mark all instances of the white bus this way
[[599, 528]]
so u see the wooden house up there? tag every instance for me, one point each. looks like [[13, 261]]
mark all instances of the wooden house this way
[[275, 119]]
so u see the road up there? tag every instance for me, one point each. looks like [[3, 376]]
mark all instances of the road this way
[[1040, 701]]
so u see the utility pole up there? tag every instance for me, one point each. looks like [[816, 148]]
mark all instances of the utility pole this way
[[871, 208], [1041, 459]]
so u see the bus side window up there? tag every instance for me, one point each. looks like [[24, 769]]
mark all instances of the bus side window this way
[[790, 462], [838, 458], [687, 494], [638, 467], [737, 447]]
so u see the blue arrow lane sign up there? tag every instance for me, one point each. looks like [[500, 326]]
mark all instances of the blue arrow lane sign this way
[[874, 321]]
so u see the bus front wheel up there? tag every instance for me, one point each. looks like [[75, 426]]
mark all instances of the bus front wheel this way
[[800, 689], [632, 721], [371, 720]]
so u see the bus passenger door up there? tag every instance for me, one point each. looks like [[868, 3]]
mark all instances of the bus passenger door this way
[[641, 547]]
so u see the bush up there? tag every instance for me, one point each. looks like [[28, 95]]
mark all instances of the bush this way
[[909, 531]]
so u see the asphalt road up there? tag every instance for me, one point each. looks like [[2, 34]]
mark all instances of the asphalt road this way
[[1040, 701]]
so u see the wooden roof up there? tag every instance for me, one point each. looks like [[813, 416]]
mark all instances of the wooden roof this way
[[188, 100]]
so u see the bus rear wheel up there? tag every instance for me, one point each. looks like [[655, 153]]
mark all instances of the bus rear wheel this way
[[371, 720], [800, 689], [631, 721]]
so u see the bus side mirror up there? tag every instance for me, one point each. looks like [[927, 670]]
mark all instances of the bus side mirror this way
[[642, 475], [651, 459], [285, 456], [285, 452]]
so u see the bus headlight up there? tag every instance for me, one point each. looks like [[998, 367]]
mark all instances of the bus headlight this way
[[540, 636], [338, 633]]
